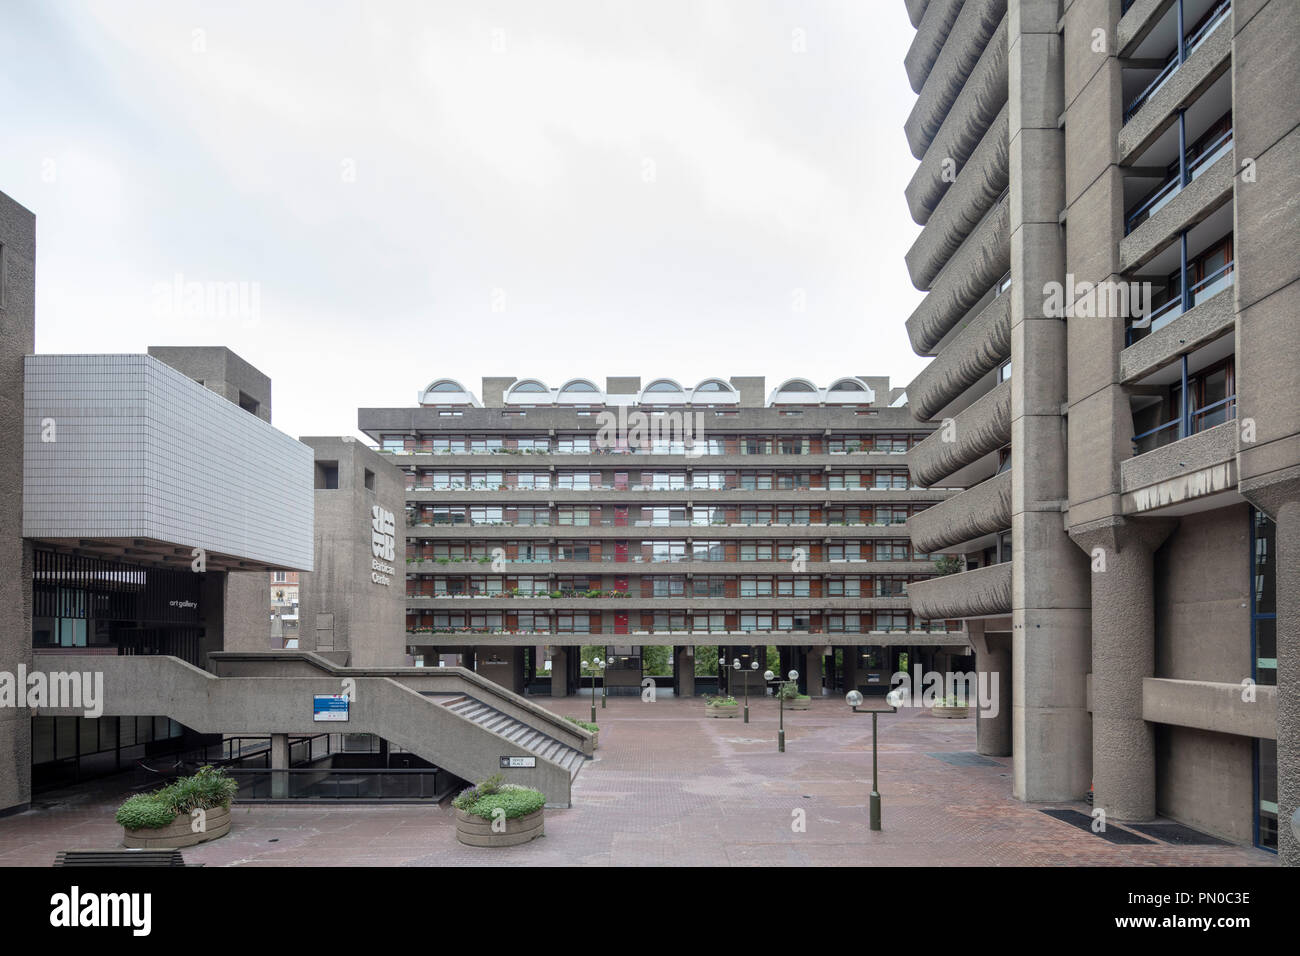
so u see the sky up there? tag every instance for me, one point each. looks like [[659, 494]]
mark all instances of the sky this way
[[362, 197]]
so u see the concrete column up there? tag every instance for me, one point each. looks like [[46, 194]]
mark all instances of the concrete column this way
[[560, 672], [1049, 587], [1288, 678], [1123, 655], [280, 761], [813, 665], [850, 656], [685, 672], [993, 657]]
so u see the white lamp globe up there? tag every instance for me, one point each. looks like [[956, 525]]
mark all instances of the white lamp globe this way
[[768, 675], [853, 698]]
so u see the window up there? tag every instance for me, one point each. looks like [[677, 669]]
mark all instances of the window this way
[[370, 480], [327, 475], [752, 587]]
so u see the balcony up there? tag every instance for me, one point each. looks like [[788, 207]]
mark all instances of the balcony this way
[[983, 592], [1197, 293], [980, 510], [1178, 472], [1192, 40], [1176, 182], [1206, 55]]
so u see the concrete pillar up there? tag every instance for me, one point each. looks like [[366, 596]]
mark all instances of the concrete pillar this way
[[993, 657], [1121, 553], [1049, 585], [560, 672], [685, 672], [280, 761], [1288, 678], [813, 668], [850, 657]]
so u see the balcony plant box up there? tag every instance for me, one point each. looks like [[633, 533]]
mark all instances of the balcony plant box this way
[[951, 708], [496, 814], [167, 818], [721, 707]]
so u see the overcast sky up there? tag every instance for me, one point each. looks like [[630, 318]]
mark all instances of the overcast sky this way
[[425, 190]]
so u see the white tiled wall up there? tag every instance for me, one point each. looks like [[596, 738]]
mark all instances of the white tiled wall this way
[[141, 450]]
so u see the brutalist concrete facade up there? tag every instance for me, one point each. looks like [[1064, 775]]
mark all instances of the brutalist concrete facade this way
[[1148, 153], [17, 339], [352, 606], [526, 529]]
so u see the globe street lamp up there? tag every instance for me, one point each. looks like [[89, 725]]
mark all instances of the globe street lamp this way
[[854, 699], [595, 665], [780, 733], [735, 665]]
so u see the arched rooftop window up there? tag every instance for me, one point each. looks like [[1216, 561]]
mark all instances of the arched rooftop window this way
[[797, 385], [714, 385], [579, 385], [663, 385], [848, 385], [529, 386]]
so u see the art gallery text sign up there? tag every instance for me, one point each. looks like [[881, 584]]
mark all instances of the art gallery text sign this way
[[330, 707]]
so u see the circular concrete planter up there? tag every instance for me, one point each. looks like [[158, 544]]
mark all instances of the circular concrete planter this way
[[476, 831], [797, 704], [179, 833], [721, 710], [952, 713]]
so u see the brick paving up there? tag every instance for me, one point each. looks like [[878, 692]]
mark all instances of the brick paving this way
[[672, 787]]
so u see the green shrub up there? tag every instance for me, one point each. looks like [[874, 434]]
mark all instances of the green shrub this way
[[207, 789], [144, 812], [584, 724], [788, 690], [490, 795], [725, 701]]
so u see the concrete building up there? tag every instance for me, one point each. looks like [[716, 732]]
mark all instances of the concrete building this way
[[352, 605], [1109, 252], [150, 503], [725, 515]]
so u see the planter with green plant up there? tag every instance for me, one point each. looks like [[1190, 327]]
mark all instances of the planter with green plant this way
[[187, 811], [724, 706], [951, 707], [493, 813], [789, 693]]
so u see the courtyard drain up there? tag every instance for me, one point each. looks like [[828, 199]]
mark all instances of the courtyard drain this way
[[1112, 834], [1177, 834]]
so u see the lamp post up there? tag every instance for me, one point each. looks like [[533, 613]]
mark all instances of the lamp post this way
[[780, 733], [595, 665], [735, 666], [854, 699]]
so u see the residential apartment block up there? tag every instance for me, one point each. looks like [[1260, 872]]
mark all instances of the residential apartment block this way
[[541, 519], [1109, 252]]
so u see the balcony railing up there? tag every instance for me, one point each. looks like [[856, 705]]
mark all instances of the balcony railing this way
[[1162, 315], [1197, 420], [1178, 57], [1172, 186]]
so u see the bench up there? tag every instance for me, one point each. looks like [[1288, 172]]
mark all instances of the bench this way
[[119, 857]]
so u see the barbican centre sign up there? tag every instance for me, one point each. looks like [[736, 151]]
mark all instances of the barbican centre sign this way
[[383, 543]]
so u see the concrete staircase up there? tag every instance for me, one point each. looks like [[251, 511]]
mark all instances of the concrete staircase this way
[[516, 732]]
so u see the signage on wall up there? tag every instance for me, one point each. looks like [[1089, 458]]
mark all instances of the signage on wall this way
[[330, 707], [383, 545], [510, 763]]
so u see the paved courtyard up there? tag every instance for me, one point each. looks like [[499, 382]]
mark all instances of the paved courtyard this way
[[670, 786]]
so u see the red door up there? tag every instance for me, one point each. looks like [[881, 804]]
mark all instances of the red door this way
[[620, 516], [620, 552], [620, 623], [620, 584], [620, 481]]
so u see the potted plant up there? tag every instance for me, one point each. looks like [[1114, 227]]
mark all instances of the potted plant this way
[[493, 813], [951, 707], [789, 693], [722, 706], [187, 811]]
